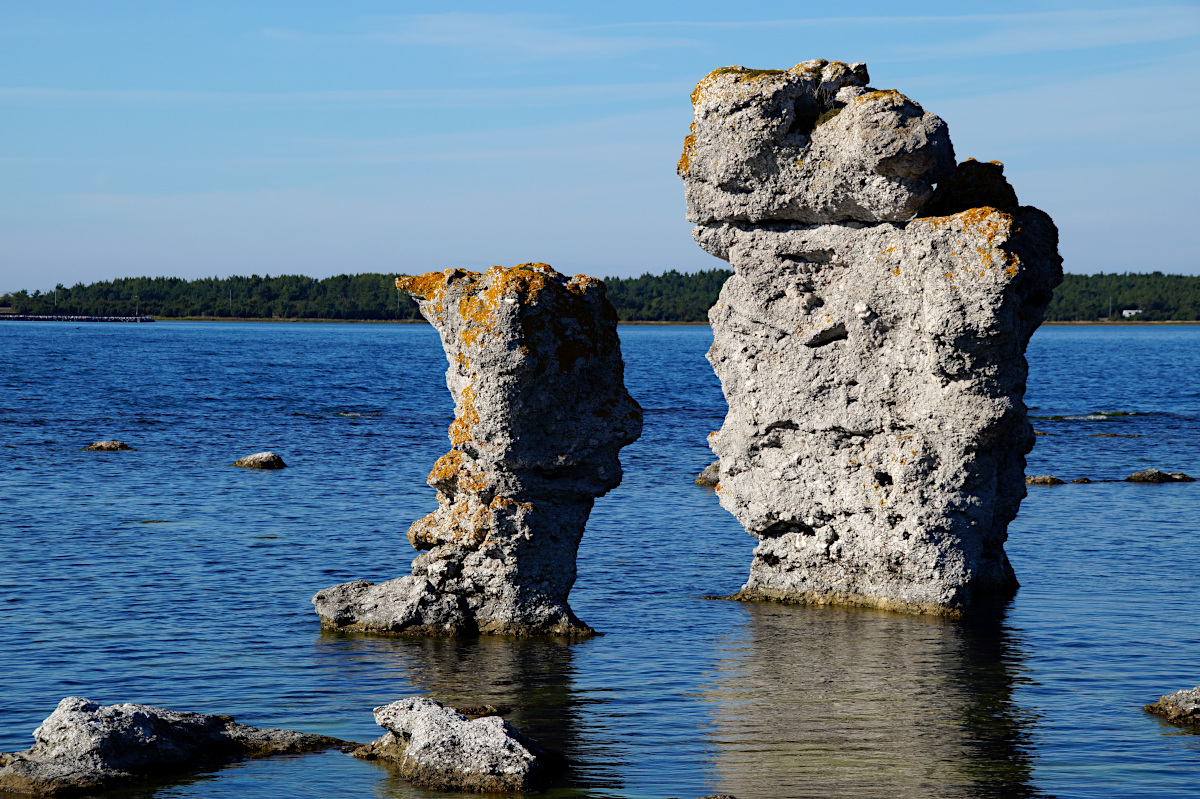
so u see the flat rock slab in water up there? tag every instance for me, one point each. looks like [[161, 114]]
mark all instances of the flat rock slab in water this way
[[83, 746], [107, 446], [261, 460], [1155, 476], [1181, 707], [437, 747]]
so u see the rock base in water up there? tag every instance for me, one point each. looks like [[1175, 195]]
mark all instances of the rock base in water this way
[[710, 476], [1181, 707], [437, 747], [83, 747], [261, 460], [1155, 476], [107, 446]]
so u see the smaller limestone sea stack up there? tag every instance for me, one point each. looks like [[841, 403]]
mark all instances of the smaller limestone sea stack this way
[[871, 342], [437, 747], [541, 412], [84, 747]]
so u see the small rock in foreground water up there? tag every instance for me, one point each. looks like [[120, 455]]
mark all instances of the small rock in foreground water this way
[[437, 747], [107, 446], [261, 460], [1181, 707], [84, 746], [710, 476]]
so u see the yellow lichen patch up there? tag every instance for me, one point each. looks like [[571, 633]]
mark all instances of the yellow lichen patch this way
[[460, 428], [453, 472], [522, 283], [881, 94], [689, 151]]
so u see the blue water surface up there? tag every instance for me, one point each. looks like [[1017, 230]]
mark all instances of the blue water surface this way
[[166, 576]]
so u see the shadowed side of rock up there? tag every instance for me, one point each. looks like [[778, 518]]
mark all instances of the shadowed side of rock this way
[[541, 413], [83, 747], [1181, 707], [873, 364]]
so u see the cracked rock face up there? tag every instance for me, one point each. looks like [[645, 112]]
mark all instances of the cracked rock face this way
[[83, 746], [874, 372], [437, 747], [809, 144], [541, 412]]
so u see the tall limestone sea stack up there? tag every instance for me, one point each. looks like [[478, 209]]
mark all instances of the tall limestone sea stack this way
[[541, 412], [871, 342]]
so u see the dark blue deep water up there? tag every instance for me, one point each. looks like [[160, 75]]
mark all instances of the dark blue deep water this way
[[167, 576]]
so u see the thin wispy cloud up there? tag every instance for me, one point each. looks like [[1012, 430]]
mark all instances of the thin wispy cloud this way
[[1003, 34], [515, 37], [529, 96]]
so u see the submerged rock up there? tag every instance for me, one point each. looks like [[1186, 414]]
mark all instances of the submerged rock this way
[[83, 746], [107, 446], [261, 460], [710, 476], [541, 412], [873, 364], [437, 747], [1155, 476], [1181, 707], [1048, 480]]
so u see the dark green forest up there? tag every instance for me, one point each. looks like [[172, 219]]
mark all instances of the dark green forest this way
[[669, 297]]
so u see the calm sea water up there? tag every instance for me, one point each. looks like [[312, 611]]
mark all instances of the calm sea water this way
[[169, 577]]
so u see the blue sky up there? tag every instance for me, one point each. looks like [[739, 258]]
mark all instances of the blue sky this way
[[320, 138]]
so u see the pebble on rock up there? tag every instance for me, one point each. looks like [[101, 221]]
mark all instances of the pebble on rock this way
[[107, 446], [83, 747], [261, 460], [541, 412], [437, 747], [873, 363]]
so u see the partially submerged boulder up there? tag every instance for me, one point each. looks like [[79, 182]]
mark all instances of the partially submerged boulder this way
[[1155, 476], [261, 460], [1181, 707], [873, 363], [1047, 480], [710, 476], [437, 747], [541, 412], [83, 747], [107, 446]]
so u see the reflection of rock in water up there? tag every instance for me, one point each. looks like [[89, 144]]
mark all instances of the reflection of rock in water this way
[[532, 679], [819, 702]]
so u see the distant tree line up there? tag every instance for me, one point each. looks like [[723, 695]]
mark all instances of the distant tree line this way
[[669, 297], [1159, 297]]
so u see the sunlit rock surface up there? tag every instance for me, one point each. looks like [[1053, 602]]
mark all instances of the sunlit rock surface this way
[[873, 364], [83, 746], [541, 412]]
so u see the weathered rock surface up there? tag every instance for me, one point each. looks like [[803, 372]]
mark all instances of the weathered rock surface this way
[[874, 367], [83, 746], [107, 446], [808, 144], [1155, 476], [1181, 707], [710, 476], [437, 747], [261, 460], [1046, 480], [541, 412]]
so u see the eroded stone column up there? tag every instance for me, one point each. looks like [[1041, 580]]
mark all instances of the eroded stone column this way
[[541, 412], [873, 362]]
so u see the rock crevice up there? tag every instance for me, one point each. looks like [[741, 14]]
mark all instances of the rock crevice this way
[[872, 355]]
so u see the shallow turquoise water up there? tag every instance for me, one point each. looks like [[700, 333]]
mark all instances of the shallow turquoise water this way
[[166, 576]]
